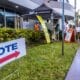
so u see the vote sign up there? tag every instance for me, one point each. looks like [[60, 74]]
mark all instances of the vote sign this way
[[68, 36], [12, 50]]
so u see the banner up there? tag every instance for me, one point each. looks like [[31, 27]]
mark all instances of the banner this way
[[70, 36], [44, 28]]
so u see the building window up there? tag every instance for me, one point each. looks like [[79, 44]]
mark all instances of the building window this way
[[10, 22], [1, 18], [52, 0], [55, 0], [10, 18], [66, 1]]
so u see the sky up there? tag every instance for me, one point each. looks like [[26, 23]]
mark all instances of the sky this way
[[77, 3]]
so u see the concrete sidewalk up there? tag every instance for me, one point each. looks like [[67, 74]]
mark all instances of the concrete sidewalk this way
[[74, 72]]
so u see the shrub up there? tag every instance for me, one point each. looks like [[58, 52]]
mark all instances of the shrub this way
[[30, 35]]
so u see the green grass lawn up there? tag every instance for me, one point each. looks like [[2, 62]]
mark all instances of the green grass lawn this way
[[42, 62]]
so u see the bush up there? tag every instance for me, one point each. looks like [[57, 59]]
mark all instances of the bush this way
[[30, 35]]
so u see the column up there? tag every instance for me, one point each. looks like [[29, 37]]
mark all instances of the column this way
[[21, 22], [15, 22], [5, 18]]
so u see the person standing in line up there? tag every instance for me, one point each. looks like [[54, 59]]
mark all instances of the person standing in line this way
[[36, 26], [66, 28], [78, 33]]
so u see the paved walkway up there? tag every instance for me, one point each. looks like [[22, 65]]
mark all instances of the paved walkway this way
[[74, 72]]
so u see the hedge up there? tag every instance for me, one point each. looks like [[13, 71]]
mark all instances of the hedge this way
[[30, 36]]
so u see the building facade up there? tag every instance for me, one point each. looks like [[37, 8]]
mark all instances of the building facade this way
[[13, 13]]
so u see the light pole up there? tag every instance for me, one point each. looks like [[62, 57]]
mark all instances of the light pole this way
[[63, 27], [75, 17], [75, 11]]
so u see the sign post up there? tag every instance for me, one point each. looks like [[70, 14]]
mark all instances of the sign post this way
[[62, 27]]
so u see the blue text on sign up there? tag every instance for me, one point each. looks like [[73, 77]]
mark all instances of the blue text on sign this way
[[8, 48]]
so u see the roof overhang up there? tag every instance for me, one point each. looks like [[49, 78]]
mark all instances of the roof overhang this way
[[31, 4], [13, 7], [57, 7]]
